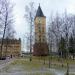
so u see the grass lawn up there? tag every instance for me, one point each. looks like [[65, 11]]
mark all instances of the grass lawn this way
[[34, 67], [37, 64], [34, 64], [55, 61]]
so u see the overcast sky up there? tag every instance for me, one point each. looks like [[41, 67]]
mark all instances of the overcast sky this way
[[48, 6]]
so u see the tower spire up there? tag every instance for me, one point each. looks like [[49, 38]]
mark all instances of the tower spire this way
[[39, 12], [39, 4]]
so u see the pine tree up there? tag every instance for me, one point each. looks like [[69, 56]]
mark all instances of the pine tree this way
[[71, 46], [62, 49]]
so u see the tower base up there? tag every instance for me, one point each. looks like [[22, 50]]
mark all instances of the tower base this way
[[40, 49]]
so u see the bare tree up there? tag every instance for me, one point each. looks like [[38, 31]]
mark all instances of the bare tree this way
[[63, 26], [66, 30], [67, 22], [73, 26], [27, 41], [30, 15], [50, 43], [50, 38], [55, 29], [1, 12], [6, 19]]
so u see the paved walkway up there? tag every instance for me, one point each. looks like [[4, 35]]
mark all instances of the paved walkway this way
[[6, 62], [40, 72], [18, 70]]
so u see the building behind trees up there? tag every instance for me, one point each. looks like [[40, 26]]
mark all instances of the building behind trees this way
[[11, 48]]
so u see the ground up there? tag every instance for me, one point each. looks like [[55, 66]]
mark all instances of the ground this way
[[22, 66]]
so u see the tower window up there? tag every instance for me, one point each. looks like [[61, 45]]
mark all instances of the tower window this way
[[39, 20], [35, 40], [39, 39], [39, 30], [39, 36], [42, 29]]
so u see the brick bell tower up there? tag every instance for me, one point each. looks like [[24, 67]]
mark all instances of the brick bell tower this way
[[40, 46]]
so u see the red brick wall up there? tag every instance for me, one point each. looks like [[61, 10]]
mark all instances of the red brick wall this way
[[40, 49]]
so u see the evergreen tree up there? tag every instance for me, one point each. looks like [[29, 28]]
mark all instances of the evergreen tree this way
[[71, 46], [62, 49]]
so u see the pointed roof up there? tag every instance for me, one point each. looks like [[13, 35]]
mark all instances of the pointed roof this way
[[39, 12]]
